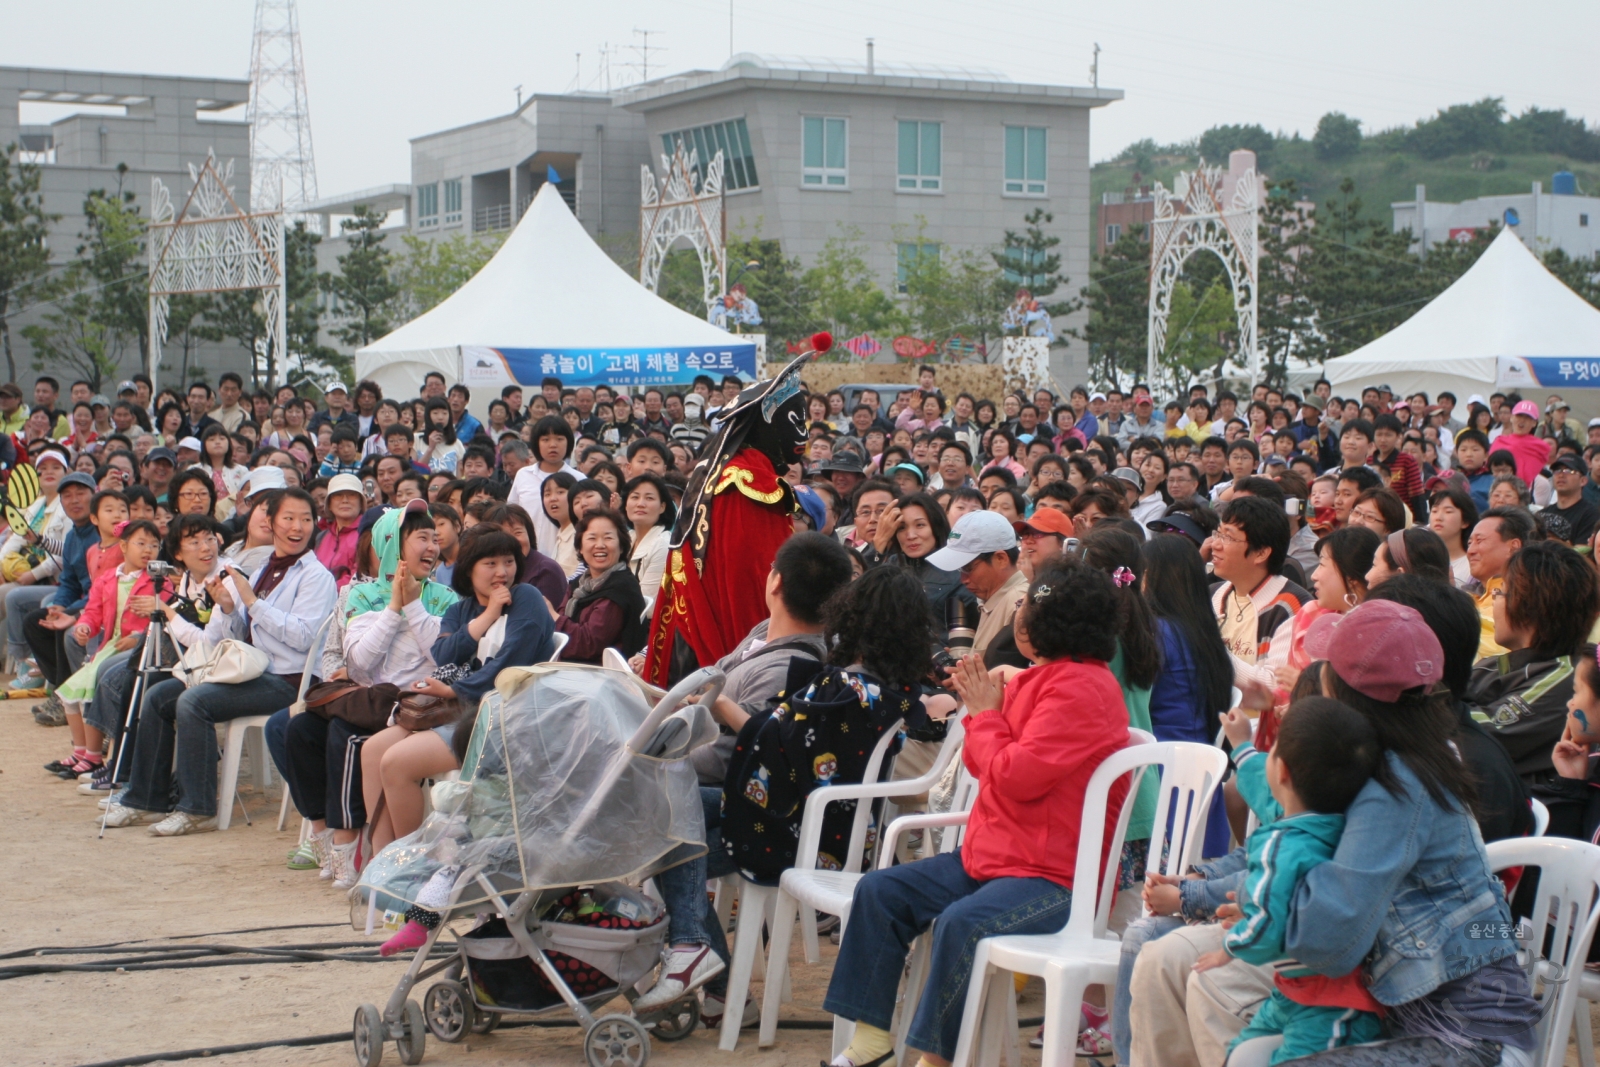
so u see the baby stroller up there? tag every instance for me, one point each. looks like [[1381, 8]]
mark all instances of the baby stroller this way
[[573, 791]]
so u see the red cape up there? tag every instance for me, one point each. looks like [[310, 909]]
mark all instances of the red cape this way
[[714, 603]]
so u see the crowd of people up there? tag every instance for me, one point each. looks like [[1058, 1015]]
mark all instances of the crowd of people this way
[[1402, 588]]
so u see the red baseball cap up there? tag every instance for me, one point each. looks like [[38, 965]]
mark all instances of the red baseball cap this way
[[1380, 649], [1045, 521]]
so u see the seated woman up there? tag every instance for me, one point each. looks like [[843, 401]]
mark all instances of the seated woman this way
[[279, 611], [824, 735], [497, 623], [604, 607], [1032, 752], [538, 569], [391, 625]]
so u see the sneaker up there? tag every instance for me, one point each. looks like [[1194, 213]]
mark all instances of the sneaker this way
[[713, 1008], [118, 815], [180, 823], [99, 784], [303, 857], [25, 686], [115, 798], [344, 865], [322, 848], [682, 969], [51, 712]]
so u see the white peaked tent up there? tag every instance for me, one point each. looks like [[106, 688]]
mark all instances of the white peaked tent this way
[[1506, 322], [552, 302]]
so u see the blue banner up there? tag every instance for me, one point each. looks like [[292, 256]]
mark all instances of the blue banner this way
[[1571, 372], [626, 367]]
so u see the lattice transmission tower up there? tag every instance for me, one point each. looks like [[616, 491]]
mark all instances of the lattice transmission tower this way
[[280, 119]]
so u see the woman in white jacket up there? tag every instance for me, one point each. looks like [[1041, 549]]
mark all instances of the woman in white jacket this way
[[651, 514]]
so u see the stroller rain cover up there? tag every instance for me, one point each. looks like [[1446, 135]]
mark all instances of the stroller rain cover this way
[[550, 795]]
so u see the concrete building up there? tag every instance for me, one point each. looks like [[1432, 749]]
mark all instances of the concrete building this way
[[1558, 219], [814, 149], [153, 125], [1120, 212]]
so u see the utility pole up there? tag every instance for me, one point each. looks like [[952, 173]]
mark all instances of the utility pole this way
[[519, 98], [1094, 67]]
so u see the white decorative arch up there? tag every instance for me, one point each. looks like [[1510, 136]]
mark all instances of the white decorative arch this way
[[686, 205], [1192, 218], [212, 245]]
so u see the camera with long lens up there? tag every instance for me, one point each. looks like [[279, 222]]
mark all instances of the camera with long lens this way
[[961, 626]]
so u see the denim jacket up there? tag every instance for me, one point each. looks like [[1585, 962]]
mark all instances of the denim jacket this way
[[1405, 891]]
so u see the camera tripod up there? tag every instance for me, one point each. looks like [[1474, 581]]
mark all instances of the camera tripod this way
[[152, 661]]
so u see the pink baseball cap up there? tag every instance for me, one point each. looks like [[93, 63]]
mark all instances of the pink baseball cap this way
[[1526, 407], [1380, 649]]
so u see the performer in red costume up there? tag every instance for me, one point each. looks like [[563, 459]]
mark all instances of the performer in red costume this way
[[737, 512]]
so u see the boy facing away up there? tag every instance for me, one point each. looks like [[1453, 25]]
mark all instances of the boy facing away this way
[[1325, 752]]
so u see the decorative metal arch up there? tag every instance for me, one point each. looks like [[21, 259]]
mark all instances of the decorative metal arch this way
[[1193, 218], [686, 205], [212, 245]]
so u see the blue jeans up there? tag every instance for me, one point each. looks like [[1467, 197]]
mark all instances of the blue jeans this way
[[1139, 933], [683, 891], [277, 734], [177, 740], [19, 601], [893, 906], [104, 712]]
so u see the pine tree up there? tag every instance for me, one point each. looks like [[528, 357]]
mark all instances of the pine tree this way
[[363, 286], [24, 256]]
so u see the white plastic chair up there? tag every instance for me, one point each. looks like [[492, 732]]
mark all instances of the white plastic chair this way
[[804, 890], [560, 640], [1565, 912], [1082, 954], [1541, 817], [757, 903]]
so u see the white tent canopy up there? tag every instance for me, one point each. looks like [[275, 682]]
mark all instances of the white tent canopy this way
[[1506, 322], [551, 302]]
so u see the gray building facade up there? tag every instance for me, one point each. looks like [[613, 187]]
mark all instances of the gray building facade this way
[[1561, 218], [159, 126]]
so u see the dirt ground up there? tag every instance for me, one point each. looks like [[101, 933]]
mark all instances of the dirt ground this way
[[73, 890], [69, 890]]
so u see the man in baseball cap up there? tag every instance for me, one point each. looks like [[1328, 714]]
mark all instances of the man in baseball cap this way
[[1043, 537], [983, 547], [1569, 473]]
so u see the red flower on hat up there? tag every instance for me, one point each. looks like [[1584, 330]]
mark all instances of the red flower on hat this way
[[821, 341]]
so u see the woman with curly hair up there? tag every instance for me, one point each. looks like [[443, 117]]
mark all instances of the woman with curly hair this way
[[826, 732], [1032, 750]]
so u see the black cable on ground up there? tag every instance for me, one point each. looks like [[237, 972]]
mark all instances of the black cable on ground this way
[[17, 953], [193, 956], [333, 1039]]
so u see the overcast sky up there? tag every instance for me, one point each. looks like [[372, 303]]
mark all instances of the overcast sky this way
[[380, 73]]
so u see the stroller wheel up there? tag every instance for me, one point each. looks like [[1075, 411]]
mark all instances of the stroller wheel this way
[[485, 1021], [676, 1021], [448, 1010], [414, 1034], [617, 1041], [367, 1034]]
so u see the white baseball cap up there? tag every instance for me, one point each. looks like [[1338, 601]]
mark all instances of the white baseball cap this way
[[266, 478], [191, 443], [977, 533], [343, 483]]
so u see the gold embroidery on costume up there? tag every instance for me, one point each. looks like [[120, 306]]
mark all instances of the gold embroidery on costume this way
[[741, 479]]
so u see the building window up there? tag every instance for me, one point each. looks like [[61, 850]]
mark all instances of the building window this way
[[452, 202], [1583, 220], [824, 152], [919, 156], [731, 138], [1025, 173], [1113, 233], [428, 204], [908, 254]]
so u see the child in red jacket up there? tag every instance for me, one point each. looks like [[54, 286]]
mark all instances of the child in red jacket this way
[[107, 613]]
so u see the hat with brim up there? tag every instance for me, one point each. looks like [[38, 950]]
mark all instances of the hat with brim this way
[[1379, 648], [1179, 523], [52, 454], [909, 468], [191, 443], [975, 534], [345, 483], [1130, 476], [78, 478], [1569, 462], [265, 479], [812, 504], [161, 453], [1044, 521], [843, 463]]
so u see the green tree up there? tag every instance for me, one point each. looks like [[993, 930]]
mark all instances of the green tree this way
[[1582, 276], [1460, 129], [186, 329], [1217, 142], [1118, 298], [237, 316], [363, 286], [1200, 330], [24, 256], [777, 286], [1285, 315], [1362, 278], [101, 299], [428, 272], [314, 361], [950, 292], [845, 294], [1338, 136]]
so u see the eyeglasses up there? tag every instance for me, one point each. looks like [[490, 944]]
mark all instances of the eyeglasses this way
[[1230, 539], [193, 494], [868, 512]]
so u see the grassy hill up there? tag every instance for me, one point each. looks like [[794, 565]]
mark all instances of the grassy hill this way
[[1465, 151], [1380, 177]]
